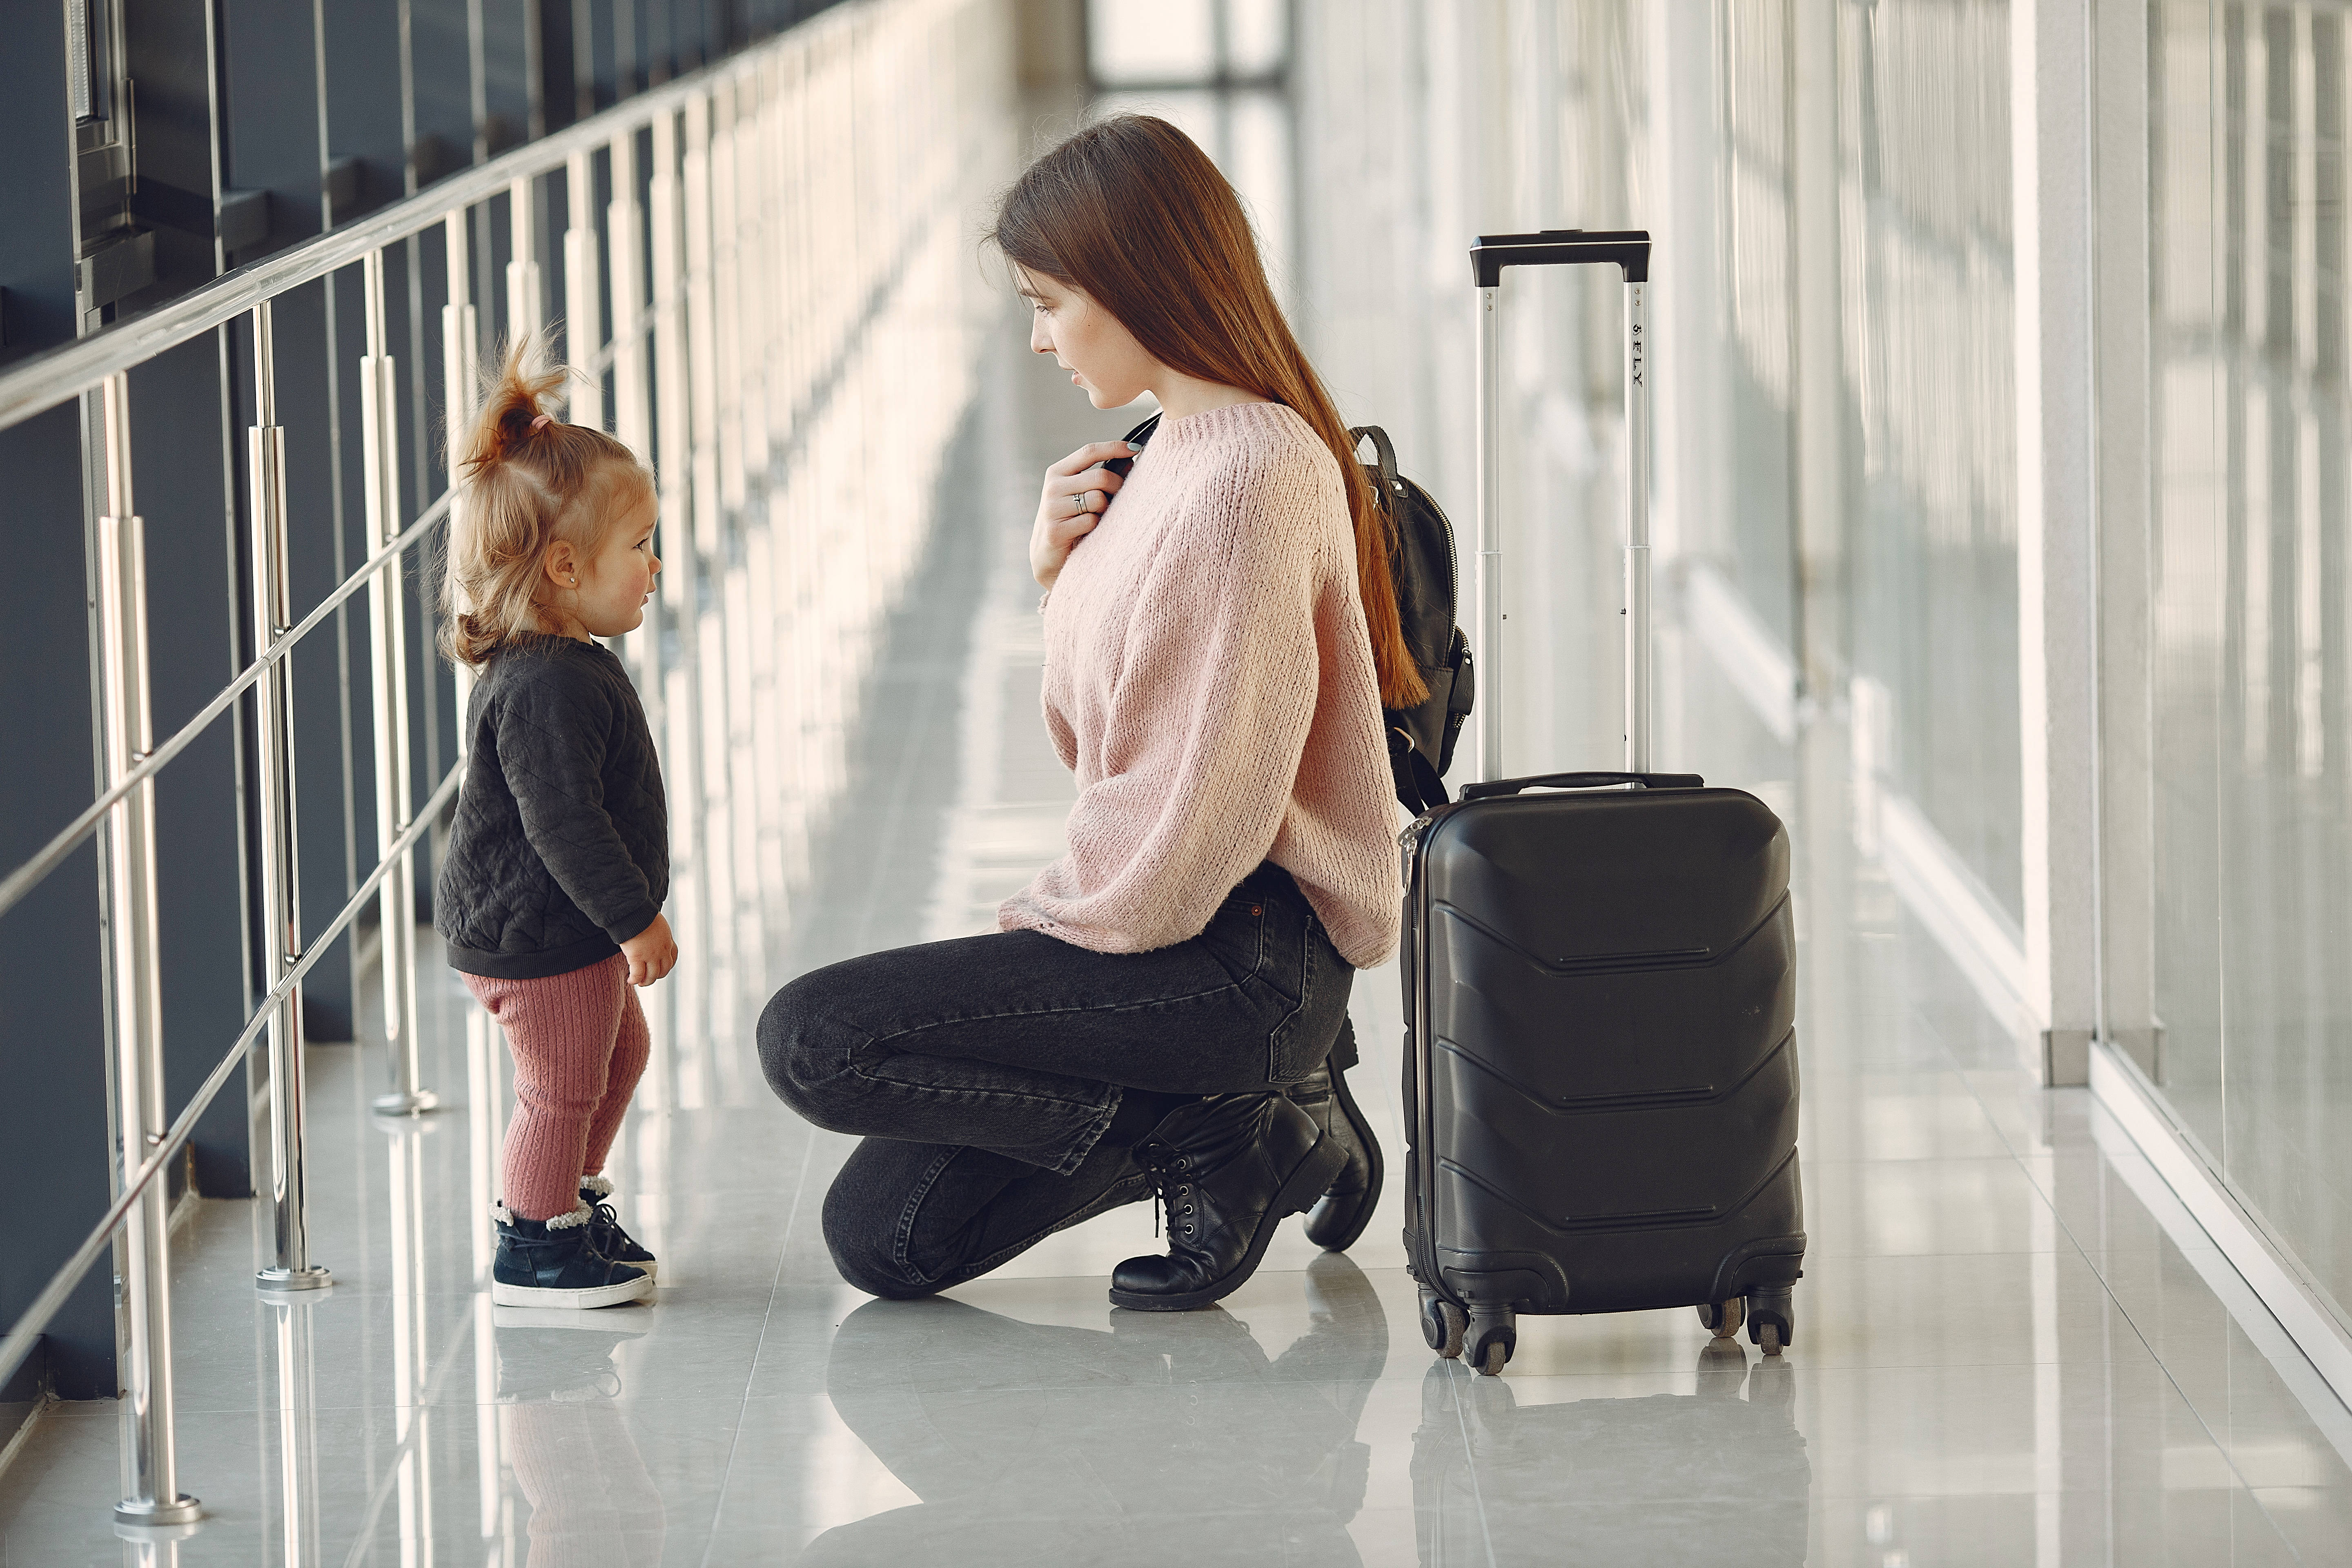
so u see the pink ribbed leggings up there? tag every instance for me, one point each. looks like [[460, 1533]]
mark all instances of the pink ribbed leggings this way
[[580, 1046]]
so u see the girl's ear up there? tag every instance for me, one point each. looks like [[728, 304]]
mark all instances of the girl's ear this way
[[562, 564]]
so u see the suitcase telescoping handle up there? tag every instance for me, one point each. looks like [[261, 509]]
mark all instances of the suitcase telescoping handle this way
[[1582, 781], [1629, 250]]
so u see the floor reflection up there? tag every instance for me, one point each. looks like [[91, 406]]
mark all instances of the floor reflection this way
[[1167, 1437], [295, 1506], [593, 1504], [1664, 1478]]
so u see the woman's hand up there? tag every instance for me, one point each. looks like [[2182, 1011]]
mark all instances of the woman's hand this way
[[652, 953], [1076, 491]]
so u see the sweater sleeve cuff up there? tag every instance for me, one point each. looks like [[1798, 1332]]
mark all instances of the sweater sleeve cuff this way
[[634, 925]]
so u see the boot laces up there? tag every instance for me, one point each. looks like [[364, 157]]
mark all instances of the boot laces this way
[[604, 1232], [1171, 1180]]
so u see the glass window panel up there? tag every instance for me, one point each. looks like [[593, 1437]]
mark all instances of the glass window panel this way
[[1754, 197], [2283, 819], [1933, 482], [1132, 41], [2249, 684], [2191, 496], [1257, 37]]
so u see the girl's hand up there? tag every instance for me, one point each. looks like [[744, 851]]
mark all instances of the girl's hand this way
[[652, 953], [1075, 493]]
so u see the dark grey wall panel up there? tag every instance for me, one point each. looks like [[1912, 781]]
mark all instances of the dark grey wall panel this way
[[272, 132], [270, 119], [170, 61], [416, 286], [329, 680], [36, 241], [508, 84], [364, 145], [193, 610], [364, 130], [53, 1121], [661, 31], [564, 55], [442, 70]]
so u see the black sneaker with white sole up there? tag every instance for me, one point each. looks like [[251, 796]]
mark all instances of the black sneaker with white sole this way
[[604, 1228], [554, 1263]]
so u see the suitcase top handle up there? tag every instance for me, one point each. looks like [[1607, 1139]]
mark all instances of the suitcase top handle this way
[[1628, 247], [1499, 787]]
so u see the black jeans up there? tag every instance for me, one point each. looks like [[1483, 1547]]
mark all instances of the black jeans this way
[[983, 1071]]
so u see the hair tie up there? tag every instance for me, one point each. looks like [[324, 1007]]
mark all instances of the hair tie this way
[[543, 419]]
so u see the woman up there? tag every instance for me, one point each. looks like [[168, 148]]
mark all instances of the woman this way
[[1161, 1008]]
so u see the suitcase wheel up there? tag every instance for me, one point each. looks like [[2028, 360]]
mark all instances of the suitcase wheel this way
[[1725, 1317], [1771, 1320], [1442, 1324], [1493, 1334]]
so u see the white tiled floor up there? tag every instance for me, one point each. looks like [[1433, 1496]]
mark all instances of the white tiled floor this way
[[2012, 1345]]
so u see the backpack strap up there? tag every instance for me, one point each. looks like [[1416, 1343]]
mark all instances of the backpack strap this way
[[1384, 454], [1418, 787], [1138, 436]]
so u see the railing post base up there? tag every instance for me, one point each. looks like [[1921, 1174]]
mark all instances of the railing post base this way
[[168, 1520], [275, 1281], [406, 1104]]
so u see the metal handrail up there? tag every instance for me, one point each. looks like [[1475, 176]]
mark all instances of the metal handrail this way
[[673, 255], [24, 877], [45, 380], [125, 806], [18, 1342]]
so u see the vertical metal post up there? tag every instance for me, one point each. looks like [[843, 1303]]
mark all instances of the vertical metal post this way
[[281, 911], [1489, 627], [388, 615], [624, 223], [526, 313], [632, 407], [134, 972], [722, 285], [673, 407], [460, 375], [1637, 532], [583, 311]]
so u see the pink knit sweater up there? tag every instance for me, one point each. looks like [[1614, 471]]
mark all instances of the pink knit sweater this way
[[1209, 679]]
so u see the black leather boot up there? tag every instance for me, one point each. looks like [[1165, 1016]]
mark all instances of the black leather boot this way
[[1339, 1217], [1228, 1168]]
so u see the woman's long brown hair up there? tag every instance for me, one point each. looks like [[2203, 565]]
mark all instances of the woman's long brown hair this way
[[1133, 212]]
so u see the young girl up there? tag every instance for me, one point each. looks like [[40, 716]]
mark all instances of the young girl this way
[[558, 864]]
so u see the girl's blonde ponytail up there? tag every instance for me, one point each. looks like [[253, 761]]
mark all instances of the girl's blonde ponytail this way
[[525, 479]]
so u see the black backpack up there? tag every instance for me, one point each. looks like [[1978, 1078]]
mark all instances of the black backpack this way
[[1421, 737]]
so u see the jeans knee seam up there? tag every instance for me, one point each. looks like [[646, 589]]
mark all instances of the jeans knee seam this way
[[875, 1081], [1088, 1138], [1055, 1012], [905, 1227]]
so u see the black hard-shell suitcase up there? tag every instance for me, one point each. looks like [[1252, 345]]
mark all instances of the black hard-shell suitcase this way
[[1601, 1059]]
